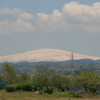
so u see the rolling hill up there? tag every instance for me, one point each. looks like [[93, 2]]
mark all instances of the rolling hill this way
[[45, 55]]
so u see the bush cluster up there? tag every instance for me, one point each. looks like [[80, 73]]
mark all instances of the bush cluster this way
[[10, 88], [27, 87], [49, 90], [21, 86], [75, 95]]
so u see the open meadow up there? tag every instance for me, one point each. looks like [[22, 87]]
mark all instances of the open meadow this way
[[35, 96]]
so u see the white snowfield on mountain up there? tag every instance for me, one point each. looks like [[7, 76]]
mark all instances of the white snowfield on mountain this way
[[45, 55]]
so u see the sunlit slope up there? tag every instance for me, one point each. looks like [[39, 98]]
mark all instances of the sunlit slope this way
[[45, 55]]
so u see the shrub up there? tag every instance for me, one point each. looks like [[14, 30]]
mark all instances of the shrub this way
[[27, 87], [10, 88], [35, 88], [20, 91], [41, 92], [49, 90], [75, 95], [18, 87]]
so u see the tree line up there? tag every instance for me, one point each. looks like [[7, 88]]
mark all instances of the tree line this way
[[59, 67], [47, 81]]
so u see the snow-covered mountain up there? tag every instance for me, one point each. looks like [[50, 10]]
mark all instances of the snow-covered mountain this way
[[45, 55]]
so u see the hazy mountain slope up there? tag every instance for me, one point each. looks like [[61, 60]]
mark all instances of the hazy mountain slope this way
[[44, 55]]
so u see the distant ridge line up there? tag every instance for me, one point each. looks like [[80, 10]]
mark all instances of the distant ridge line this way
[[44, 55]]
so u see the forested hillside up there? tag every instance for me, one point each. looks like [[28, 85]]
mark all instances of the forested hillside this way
[[63, 67]]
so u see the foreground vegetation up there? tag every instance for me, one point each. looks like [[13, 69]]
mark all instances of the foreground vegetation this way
[[22, 95], [47, 84]]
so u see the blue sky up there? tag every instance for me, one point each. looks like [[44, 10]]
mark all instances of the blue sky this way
[[59, 24]]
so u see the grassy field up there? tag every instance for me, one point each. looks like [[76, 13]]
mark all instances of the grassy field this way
[[33, 96]]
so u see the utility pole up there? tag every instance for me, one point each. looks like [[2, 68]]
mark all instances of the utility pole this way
[[71, 71], [72, 64]]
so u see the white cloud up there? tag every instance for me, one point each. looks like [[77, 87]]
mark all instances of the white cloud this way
[[51, 22], [19, 25], [17, 13], [81, 13], [8, 11], [18, 22], [42, 16], [72, 14], [25, 16], [85, 16], [92, 28]]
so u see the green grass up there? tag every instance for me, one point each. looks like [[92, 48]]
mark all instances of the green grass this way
[[60, 95], [31, 95]]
